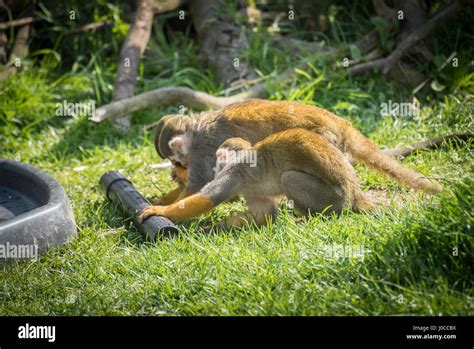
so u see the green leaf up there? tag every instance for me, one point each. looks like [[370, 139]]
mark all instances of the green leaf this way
[[302, 72], [355, 52]]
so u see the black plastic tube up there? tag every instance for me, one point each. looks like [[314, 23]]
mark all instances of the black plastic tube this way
[[117, 188]]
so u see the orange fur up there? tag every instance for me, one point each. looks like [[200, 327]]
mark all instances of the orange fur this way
[[179, 175], [282, 160], [189, 207], [169, 197], [301, 150], [253, 120]]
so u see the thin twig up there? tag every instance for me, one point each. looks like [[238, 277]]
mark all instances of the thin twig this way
[[87, 27], [19, 22]]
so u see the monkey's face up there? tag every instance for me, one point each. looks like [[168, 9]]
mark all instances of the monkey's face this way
[[230, 153], [169, 128], [222, 159]]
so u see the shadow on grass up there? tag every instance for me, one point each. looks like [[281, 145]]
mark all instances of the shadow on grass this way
[[84, 135], [437, 244], [112, 215]]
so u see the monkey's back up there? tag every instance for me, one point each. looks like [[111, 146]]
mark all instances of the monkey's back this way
[[302, 151], [257, 118]]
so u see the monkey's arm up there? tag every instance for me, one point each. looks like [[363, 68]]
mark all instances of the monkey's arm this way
[[180, 175], [169, 197], [189, 207], [215, 192]]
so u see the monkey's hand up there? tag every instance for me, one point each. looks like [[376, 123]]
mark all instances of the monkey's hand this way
[[189, 207], [151, 211]]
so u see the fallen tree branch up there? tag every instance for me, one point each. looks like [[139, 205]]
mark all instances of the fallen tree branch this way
[[242, 84], [434, 143], [163, 97], [31, 19], [198, 100], [87, 27], [384, 65], [28, 20], [296, 45], [20, 46], [375, 54], [160, 6], [201, 101], [18, 22]]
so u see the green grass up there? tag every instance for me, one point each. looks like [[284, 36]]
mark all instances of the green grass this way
[[417, 250]]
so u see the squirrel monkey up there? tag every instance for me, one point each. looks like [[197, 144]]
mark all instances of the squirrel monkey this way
[[296, 163], [179, 174], [192, 141]]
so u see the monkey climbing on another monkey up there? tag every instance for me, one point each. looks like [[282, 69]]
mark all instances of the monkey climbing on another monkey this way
[[296, 163], [192, 142]]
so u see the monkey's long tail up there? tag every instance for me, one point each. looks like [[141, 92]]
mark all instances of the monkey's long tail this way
[[363, 150]]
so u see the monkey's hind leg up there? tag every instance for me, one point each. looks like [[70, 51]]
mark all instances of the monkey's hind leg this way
[[261, 211], [309, 194]]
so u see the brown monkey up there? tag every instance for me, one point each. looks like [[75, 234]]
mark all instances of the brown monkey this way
[[179, 174], [296, 163], [192, 142]]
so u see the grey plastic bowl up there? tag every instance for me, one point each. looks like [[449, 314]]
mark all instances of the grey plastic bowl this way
[[34, 212]]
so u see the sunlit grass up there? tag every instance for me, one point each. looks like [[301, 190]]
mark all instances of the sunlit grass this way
[[417, 250]]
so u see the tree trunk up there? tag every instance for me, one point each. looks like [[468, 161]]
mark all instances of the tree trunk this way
[[221, 41], [132, 50]]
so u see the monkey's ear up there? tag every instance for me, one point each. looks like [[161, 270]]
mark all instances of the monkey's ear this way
[[222, 158], [222, 154], [178, 144]]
